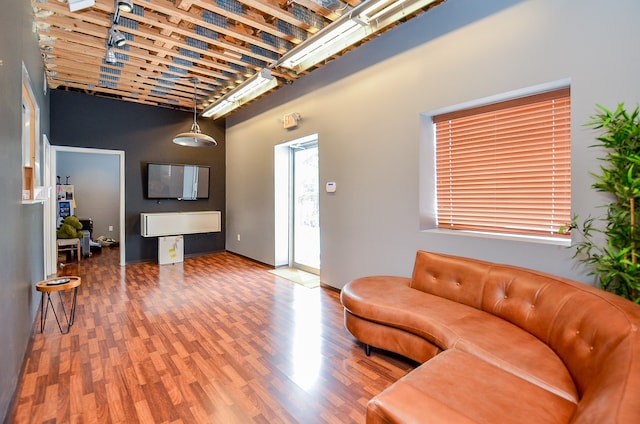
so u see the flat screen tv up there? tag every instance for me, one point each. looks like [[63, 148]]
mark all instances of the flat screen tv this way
[[176, 181]]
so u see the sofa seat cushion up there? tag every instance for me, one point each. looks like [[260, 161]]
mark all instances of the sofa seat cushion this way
[[451, 325], [458, 387]]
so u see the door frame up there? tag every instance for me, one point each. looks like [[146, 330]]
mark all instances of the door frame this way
[[49, 212], [293, 149], [53, 169], [283, 186]]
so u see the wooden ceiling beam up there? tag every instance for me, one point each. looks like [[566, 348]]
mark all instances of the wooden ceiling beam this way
[[134, 72], [167, 9], [130, 89], [141, 49], [181, 88], [104, 9], [121, 94], [248, 20], [318, 9], [273, 9], [216, 58], [74, 42], [165, 50]]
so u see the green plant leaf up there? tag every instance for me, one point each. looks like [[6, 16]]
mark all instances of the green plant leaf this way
[[615, 261]]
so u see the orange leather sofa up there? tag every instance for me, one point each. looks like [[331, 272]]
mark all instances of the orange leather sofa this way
[[498, 344]]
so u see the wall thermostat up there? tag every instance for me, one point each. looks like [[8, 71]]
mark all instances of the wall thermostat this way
[[331, 187]]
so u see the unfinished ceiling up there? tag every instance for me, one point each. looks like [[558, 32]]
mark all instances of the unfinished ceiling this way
[[168, 42]]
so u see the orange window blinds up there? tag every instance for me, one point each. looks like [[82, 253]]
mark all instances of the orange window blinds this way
[[506, 167]]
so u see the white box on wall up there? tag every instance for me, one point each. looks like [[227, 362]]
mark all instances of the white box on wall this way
[[173, 223], [75, 5], [170, 250]]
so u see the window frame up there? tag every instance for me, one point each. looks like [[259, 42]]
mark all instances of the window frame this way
[[30, 139], [427, 173]]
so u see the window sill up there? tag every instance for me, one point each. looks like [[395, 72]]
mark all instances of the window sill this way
[[42, 194], [510, 237]]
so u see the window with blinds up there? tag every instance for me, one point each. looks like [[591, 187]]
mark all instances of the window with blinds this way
[[506, 167]]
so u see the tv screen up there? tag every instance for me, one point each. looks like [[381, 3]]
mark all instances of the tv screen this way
[[175, 181]]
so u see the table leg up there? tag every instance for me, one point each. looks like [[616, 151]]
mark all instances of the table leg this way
[[53, 308], [73, 306], [43, 312], [64, 311], [55, 314], [70, 317]]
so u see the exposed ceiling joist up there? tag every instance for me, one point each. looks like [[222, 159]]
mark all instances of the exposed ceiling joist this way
[[222, 43]]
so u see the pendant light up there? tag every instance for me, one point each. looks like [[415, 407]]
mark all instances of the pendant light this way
[[194, 138]]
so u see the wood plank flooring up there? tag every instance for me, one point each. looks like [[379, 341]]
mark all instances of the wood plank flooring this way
[[216, 339]]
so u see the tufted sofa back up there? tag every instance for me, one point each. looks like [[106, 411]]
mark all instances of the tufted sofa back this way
[[595, 333]]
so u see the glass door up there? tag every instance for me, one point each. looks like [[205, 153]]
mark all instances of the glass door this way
[[305, 209]]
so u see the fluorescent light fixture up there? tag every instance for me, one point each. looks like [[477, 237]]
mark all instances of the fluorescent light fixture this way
[[125, 5], [378, 8], [220, 108], [256, 85], [365, 19], [333, 40], [75, 5]]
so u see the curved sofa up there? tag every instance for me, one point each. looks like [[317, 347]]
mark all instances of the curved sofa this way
[[498, 344]]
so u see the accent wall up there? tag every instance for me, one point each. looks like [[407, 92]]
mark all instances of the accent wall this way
[[145, 135]]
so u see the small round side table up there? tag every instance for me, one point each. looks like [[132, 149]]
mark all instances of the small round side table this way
[[58, 284]]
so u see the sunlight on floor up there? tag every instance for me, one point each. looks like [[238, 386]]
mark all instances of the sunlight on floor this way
[[298, 276], [306, 350]]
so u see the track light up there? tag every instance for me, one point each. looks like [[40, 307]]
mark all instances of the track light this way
[[125, 5], [110, 57], [116, 38]]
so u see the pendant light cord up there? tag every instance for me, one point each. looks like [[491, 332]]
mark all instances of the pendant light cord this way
[[195, 127], [195, 82], [195, 137]]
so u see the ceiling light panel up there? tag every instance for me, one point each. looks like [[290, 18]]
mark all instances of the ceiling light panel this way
[[366, 19]]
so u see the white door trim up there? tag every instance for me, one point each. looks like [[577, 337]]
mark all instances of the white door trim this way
[[120, 154], [48, 210]]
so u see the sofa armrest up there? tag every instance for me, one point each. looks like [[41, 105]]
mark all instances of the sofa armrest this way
[[380, 283]]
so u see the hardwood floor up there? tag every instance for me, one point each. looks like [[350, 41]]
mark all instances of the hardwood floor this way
[[216, 339]]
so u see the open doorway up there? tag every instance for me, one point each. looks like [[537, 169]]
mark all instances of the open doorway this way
[[304, 214], [297, 204], [113, 199]]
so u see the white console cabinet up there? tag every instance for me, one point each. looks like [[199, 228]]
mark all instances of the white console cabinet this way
[[178, 223]]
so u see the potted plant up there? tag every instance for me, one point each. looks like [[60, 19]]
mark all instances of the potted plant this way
[[609, 245]]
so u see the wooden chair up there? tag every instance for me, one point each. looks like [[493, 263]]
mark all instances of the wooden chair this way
[[69, 245]]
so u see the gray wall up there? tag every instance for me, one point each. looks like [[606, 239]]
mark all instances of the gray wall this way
[[96, 184], [366, 108], [21, 250]]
